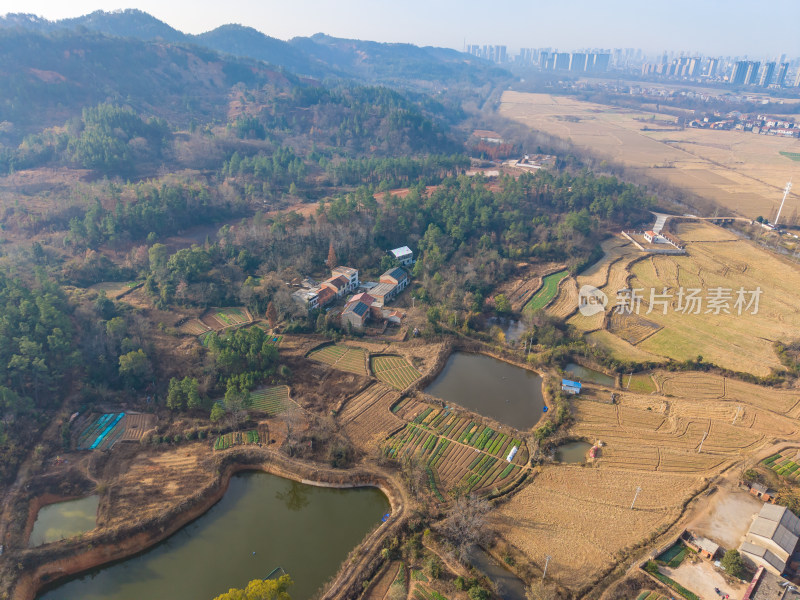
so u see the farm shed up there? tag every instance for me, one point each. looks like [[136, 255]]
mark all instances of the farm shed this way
[[571, 387], [761, 491], [772, 538]]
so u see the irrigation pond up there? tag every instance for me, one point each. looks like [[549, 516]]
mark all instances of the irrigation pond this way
[[490, 387], [582, 374], [262, 522], [572, 452], [64, 520]]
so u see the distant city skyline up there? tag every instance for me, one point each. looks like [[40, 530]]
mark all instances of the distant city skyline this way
[[732, 27]]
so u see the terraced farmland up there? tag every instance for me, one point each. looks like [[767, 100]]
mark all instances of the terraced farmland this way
[[547, 292], [367, 418], [395, 371], [458, 451], [344, 358], [272, 400], [194, 327], [645, 440]]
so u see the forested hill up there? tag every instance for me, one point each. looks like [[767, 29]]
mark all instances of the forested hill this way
[[318, 56], [49, 78]]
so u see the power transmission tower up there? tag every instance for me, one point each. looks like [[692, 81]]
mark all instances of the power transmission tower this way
[[705, 435], [636, 495], [546, 562], [785, 193]]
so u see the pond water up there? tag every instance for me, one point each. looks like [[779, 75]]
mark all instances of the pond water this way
[[572, 452], [581, 373], [512, 328], [509, 394], [508, 585], [64, 520], [261, 523]]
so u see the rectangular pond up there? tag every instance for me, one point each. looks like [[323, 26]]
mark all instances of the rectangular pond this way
[[490, 387], [64, 520], [582, 374], [261, 523]]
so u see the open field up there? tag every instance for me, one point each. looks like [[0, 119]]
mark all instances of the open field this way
[[679, 330], [344, 358], [742, 172], [547, 292], [582, 516], [639, 382], [394, 371], [458, 451]]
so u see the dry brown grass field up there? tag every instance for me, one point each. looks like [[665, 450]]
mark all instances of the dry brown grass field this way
[[715, 259], [581, 517], [740, 171]]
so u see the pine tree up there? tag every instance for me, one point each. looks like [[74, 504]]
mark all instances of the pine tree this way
[[332, 260]]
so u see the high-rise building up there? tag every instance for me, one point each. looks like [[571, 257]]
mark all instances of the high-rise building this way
[[577, 62], [694, 67], [752, 73], [739, 72], [713, 64], [601, 61], [562, 60], [767, 73], [782, 74]]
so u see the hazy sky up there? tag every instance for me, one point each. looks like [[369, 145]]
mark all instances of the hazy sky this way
[[730, 27]]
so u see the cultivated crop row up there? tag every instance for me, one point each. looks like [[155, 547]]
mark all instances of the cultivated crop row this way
[[457, 452], [784, 464], [344, 358], [395, 371], [238, 438], [367, 418], [272, 400]]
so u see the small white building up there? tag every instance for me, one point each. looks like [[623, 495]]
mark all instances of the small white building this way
[[651, 237], [350, 273], [403, 255]]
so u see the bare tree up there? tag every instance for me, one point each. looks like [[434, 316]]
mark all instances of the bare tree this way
[[466, 524]]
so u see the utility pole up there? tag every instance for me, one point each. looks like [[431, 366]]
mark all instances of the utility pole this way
[[546, 562], [736, 416], [636, 495], [705, 435]]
